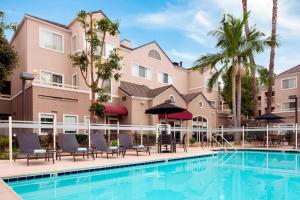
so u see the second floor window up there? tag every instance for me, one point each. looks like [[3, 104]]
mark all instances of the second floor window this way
[[51, 78], [74, 43], [108, 48], [290, 83], [74, 80], [165, 78], [288, 106], [141, 71], [51, 40]]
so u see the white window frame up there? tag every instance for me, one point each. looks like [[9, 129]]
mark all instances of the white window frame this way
[[201, 106], [41, 46], [137, 75], [294, 77], [76, 43], [105, 45], [168, 78], [289, 101], [77, 81], [70, 115], [39, 119], [172, 97], [55, 73]]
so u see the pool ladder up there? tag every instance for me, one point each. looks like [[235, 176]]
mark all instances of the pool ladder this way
[[224, 139]]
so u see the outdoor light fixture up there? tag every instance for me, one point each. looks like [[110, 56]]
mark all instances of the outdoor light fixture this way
[[25, 76], [296, 106]]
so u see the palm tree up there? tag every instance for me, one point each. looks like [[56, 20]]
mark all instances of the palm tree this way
[[234, 52], [252, 62], [272, 56]]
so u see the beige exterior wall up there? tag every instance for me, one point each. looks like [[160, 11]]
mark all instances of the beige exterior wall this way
[[61, 100]]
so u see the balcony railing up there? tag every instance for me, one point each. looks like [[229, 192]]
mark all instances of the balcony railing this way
[[38, 82]]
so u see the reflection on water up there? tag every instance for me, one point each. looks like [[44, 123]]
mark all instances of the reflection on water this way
[[233, 175]]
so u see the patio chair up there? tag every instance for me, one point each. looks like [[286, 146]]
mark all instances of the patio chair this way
[[69, 144], [126, 143], [30, 146], [166, 140], [99, 144]]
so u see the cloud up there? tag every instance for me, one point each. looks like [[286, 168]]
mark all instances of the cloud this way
[[184, 55], [195, 18]]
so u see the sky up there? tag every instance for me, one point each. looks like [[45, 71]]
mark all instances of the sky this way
[[179, 26]]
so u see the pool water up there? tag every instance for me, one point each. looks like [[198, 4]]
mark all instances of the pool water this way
[[239, 175]]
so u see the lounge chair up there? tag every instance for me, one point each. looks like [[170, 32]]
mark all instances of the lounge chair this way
[[99, 144], [126, 143], [69, 144], [30, 146]]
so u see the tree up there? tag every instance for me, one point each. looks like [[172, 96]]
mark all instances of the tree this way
[[272, 56], [252, 62], [8, 55], [234, 51], [248, 101], [94, 68]]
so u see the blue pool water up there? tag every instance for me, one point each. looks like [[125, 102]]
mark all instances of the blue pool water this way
[[234, 175]]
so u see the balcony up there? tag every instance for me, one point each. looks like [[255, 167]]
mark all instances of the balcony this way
[[54, 85]]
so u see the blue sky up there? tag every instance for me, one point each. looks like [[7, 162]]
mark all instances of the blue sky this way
[[179, 26]]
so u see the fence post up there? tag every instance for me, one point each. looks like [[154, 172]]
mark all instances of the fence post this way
[[243, 136], [142, 134], [10, 138], [118, 132], [222, 134], [296, 135], [89, 132], [188, 136], [54, 135], [267, 136]]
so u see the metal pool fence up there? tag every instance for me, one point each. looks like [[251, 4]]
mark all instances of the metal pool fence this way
[[275, 137]]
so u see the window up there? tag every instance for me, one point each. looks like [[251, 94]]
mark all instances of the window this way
[[51, 40], [106, 88], [46, 119], [74, 80], [172, 98], [5, 89], [86, 120], [141, 71], [290, 83], [53, 78], [74, 43], [199, 123], [212, 103], [108, 48], [70, 120], [165, 78], [154, 54], [288, 105], [200, 104]]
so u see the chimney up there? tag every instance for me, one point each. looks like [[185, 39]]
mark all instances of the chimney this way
[[180, 64], [126, 43]]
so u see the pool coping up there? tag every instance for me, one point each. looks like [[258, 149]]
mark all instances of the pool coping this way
[[32, 176], [7, 192]]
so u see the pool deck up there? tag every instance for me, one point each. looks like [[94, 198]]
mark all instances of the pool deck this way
[[19, 168]]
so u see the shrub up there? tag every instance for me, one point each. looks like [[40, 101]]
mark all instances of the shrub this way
[[192, 141], [4, 142], [114, 143]]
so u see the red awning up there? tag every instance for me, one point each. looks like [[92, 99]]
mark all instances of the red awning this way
[[184, 115], [115, 109]]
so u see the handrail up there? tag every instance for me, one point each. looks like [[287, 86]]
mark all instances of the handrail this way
[[54, 84], [218, 143], [226, 141]]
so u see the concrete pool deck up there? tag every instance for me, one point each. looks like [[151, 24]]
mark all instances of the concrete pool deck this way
[[19, 168]]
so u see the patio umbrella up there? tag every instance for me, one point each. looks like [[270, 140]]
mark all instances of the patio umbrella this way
[[165, 108], [270, 118]]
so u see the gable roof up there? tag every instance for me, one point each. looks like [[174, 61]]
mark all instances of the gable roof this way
[[137, 90], [291, 71], [190, 97], [48, 21]]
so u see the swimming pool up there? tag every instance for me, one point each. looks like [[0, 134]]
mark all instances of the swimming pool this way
[[228, 175]]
